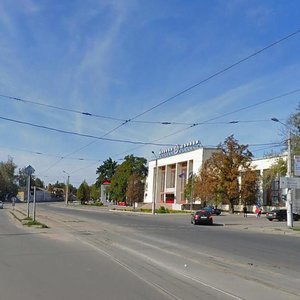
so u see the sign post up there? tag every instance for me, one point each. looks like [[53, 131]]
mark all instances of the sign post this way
[[29, 170]]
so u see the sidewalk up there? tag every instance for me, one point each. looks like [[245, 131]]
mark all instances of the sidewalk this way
[[260, 225]]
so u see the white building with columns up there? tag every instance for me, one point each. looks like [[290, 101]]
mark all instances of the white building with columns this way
[[175, 165]]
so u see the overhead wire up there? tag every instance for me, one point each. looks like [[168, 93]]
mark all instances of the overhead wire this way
[[190, 88], [195, 85], [81, 134], [221, 116]]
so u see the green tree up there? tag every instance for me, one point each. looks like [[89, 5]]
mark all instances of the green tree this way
[[189, 188], [38, 183], [95, 192], [22, 178], [8, 186], [106, 171], [279, 168], [83, 192], [135, 190], [119, 182]]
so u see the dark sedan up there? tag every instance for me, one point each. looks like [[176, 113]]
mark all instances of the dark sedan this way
[[280, 215], [202, 217]]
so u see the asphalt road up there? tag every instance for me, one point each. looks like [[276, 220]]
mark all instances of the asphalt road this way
[[36, 265], [178, 260]]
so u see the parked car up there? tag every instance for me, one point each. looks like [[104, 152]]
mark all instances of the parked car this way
[[1, 204], [280, 215], [213, 210], [202, 217]]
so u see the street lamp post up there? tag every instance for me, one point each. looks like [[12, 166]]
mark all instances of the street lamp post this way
[[155, 189], [289, 200], [67, 188]]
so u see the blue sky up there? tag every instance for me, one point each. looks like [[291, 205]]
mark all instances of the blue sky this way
[[120, 58]]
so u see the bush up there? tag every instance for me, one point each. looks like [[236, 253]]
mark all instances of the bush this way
[[163, 210], [97, 203]]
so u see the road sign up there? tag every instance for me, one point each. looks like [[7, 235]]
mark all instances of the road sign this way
[[296, 165], [289, 183], [29, 170]]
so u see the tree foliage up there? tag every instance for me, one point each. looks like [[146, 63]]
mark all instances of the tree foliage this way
[[120, 180], [279, 168], [22, 178], [249, 186], [189, 188], [135, 190], [83, 192], [8, 186], [218, 179], [207, 184], [95, 192], [106, 171], [294, 125]]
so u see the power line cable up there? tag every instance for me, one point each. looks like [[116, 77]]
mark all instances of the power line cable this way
[[220, 116], [196, 85], [81, 134], [207, 79], [47, 154], [165, 100], [218, 73], [60, 108]]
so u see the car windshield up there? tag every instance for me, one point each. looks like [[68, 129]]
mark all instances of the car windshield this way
[[203, 213]]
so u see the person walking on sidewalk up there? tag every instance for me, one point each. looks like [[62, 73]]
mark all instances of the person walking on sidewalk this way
[[258, 212], [245, 211], [13, 202]]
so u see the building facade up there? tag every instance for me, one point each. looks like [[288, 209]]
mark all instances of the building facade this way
[[169, 173]]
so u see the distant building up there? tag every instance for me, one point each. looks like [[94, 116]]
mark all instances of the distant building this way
[[42, 195], [104, 192]]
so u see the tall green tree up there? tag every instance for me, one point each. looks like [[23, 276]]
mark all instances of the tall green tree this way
[[120, 180], [106, 171], [8, 186], [95, 192], [83, 192]]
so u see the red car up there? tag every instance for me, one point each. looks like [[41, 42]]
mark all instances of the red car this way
[[202, 217]]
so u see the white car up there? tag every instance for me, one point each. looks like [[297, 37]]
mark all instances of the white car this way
[[1, 204]]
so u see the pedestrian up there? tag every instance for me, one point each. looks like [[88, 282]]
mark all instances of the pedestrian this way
[[13, 202], [258, 212], [245, 211]]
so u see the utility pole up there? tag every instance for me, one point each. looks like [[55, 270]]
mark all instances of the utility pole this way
[[289, 200], [67, 188], [28, 194], [34, 204], [155, 189], [29, 170]]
